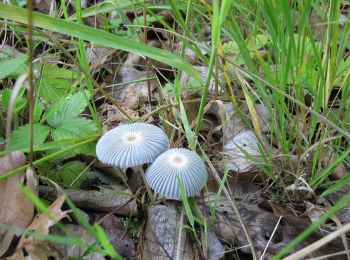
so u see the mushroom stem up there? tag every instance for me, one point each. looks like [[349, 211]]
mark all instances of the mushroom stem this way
[[149, 191]]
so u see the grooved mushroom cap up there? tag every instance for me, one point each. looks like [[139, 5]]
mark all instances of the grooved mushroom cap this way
[[161, 175], [131, 145]]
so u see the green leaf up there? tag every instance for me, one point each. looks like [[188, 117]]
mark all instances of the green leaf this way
[[257, 42], [69, 108], [5, 99], [12, 68], [20, 137], [97, 36], [150, 19], [72, 173], [55, 82], [38, 111], [75, 127]]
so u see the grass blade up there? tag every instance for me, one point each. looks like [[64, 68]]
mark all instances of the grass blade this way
[[97, 36]]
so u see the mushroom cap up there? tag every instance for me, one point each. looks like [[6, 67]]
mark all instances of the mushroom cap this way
[[161, 175], [131, 145]]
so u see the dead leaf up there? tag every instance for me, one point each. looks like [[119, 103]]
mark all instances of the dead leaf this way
[[189, 81], [114, 117], [244, 141], [98, 58], [118, 236], [260, 224], [30, 247], [42, 250], [74, 251], [334, 197], [131, 93], [163, 234], [15, 209], [215, 250]]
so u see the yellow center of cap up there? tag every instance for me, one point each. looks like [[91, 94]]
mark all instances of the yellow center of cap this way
[[177, 160], [131, 138]]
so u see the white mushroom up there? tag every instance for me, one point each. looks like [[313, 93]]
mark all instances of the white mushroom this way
[[131, 145], [187, 165]]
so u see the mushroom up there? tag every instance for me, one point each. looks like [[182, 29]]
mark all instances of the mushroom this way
[[187, 165], [132, 145]]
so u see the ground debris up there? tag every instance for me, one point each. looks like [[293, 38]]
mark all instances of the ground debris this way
[[334, 197], [117, 235], [260, 224], [15, 209], [116, 202], [238, 147], [32, 247], [163, 239], [215, 250]]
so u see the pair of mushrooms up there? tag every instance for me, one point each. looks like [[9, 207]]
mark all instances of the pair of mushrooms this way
[[139, 143]]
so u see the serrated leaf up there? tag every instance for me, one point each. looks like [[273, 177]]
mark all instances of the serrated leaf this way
[[55, 82], [53, 89], [72, 174], [50, 71], [38, 111], [75, 127], [13, 67], [67, 109], [20, 137]]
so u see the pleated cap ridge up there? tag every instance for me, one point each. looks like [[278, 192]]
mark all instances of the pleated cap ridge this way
[[161, 175], [131, 145]]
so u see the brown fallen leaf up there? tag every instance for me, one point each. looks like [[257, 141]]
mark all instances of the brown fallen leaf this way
[[135, 84], [118, 236], [30, 247], [114, 117], [15, 209]]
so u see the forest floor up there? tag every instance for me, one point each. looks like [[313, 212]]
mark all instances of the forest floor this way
[[260, 90]]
